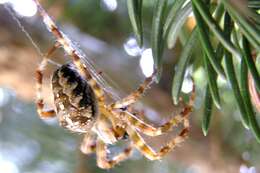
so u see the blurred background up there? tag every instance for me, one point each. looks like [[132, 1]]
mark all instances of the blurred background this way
[[102, 29]]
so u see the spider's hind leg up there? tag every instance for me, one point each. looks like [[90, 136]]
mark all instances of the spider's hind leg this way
[[148, 152]]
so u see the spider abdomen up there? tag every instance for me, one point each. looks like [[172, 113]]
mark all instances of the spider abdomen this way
[[74, 99]]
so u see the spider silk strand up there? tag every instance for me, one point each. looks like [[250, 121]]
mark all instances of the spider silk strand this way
[[108, 88], [47, 20], [20, 25]]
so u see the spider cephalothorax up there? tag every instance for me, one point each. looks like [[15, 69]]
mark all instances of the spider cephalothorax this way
[[74, 99], [80, 105]]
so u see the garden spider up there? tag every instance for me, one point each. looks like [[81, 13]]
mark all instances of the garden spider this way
[[81, 107]]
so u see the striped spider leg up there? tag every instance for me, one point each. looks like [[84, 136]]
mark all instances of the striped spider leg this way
[[78, 99], [135, 125], [80, 107], [156, 131], [79, 110]]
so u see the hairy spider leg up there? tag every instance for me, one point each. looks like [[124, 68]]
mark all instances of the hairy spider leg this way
[[103, 161], [147, 151], [138, 142], [149, 130], [141, 145], [88, 144], [39, 79], [68, 47], [136, 95], [70, 50]]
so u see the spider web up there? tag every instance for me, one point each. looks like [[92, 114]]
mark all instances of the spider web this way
[[106, 83], [20, 25]]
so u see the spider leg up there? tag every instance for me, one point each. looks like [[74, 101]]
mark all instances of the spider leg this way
[[146, 128], [147, 151], [102, 155], [136, 95], [155, 131], [88, 144], [69, 48], [39, 79]]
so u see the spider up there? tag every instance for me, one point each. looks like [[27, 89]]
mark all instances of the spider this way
[[80, 106]]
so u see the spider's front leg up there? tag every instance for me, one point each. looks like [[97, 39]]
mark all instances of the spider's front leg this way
[[102, 158], [136, 95], [39, 79]]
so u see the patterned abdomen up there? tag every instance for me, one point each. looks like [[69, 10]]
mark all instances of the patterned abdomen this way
[[74, 99]]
